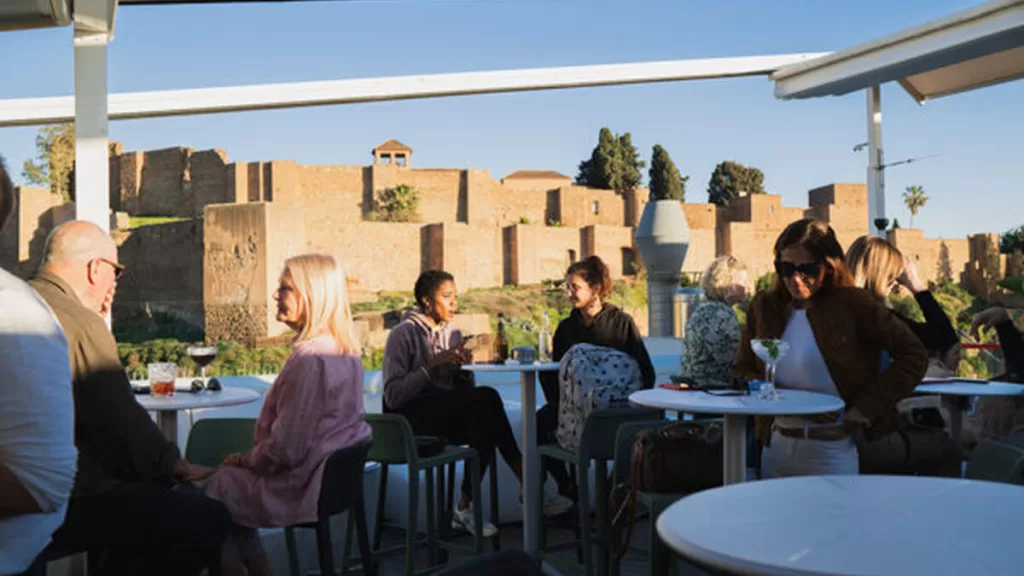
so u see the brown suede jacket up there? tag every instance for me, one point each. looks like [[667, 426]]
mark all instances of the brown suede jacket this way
[[851, 329]]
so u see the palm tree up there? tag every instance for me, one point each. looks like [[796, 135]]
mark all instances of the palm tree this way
[[915, 199]]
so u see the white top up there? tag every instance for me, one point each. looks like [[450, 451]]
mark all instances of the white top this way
[[513, 367], [37, 419], [966, 388], [877, 525], [789, 402], [803, 367], [204, 399]]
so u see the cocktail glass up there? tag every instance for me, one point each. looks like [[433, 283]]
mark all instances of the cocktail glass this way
[[202, 356], [771, 351]]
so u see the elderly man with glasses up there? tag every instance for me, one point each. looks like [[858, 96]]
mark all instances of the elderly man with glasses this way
[[123, 510]]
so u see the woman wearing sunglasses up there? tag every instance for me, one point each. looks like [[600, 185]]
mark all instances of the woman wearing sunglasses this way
[[836, 334]]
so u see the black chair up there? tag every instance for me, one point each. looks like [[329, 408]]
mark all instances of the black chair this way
[[341, 490]]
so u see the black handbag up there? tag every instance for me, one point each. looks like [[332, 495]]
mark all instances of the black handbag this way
[[682, 457]]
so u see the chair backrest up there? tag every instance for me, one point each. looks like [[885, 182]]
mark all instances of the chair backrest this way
[[342, 481], [601, 427], [997, 462], [393, 439], [211, 439]]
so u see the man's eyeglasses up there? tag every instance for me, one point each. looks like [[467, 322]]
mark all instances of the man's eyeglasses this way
[[788, 269], [118, 268]]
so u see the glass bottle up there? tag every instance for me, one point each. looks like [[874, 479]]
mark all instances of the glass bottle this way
[[544, 339]]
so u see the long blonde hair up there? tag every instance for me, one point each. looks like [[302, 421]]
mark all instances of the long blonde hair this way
[[875, 264], [320, 282]]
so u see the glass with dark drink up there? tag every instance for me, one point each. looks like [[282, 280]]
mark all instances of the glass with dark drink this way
[[202, 356], [161, 378]]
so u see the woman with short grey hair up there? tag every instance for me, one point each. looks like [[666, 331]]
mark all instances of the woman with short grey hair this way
[[713, 331]]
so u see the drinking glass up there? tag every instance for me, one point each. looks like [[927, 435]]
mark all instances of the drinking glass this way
[[161, 378], [202, 356], [771, 351]]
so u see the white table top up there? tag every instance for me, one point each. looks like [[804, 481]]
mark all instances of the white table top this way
[[790, 402], [971, 388], [851, 525], [535, 367], [204, 399]]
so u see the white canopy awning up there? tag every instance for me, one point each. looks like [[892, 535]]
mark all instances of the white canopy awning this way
[[974, 48], [33, 111]]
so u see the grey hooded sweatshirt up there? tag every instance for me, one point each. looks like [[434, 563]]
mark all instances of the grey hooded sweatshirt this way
[[411, 344]]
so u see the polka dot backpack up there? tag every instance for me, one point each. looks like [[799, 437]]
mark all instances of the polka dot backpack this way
[[591, 378]]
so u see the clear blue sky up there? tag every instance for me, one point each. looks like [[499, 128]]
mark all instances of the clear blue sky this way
[[799, 145]]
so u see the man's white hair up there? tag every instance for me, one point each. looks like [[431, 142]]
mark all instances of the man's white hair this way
[[75, 241]]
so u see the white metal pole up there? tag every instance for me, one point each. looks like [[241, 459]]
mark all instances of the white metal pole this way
[[92, 172], [877, 222]]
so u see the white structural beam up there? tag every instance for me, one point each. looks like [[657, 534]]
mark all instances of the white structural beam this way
[[93, 29], [876, 163], [35, 111], [971, 49]]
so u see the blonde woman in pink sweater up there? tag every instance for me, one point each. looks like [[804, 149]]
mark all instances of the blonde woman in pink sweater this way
[[314, 408]]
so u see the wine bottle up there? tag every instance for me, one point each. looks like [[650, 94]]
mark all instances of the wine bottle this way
[[501, 342]]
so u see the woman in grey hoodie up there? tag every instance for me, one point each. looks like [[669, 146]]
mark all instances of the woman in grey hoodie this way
[[424, 381]]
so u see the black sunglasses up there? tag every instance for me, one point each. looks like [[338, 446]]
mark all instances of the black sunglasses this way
[[213, 385], [788, 269]]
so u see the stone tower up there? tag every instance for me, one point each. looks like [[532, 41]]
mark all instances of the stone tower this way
[[394, 153]]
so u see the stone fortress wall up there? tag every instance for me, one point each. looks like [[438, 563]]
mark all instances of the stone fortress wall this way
[[217, 268]]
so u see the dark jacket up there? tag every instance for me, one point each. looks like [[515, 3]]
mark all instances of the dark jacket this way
[[117, 440], [851, 329], [1012, 343], [611, 328], [936, 332]]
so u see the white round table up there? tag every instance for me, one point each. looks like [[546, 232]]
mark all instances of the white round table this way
[[531, 465], [167, 407], [735, 410], [841, 525], [950, 391]]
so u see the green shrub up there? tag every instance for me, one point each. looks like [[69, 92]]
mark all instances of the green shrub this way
[[397, 204], [373, 358], [232, 359], [386, 301], [765, 282]]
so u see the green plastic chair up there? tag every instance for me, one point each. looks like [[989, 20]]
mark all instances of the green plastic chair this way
[[997, 461], [212, 439], [597, 445], [394, 444], [659, 556]]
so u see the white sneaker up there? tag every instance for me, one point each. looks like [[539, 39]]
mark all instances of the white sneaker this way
[[556, 505], [464, 519]]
